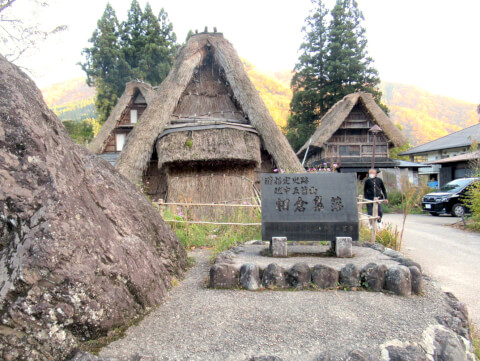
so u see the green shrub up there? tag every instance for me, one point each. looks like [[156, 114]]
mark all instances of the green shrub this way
[[473, 201], [395, 198]]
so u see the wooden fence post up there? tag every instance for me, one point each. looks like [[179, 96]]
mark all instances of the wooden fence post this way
[[374, 219], [360, 211]]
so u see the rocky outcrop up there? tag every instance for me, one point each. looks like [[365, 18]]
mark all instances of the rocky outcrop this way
[[82, 251]]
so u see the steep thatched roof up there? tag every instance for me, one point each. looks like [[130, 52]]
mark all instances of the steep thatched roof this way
[[340, 111], [98, 143], [140, 143]]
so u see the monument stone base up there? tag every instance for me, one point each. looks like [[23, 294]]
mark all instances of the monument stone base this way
[[278, 247], [343, 247]]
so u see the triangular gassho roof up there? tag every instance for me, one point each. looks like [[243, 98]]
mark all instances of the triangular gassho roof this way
[[98, 143], [139, 146], [339, 113]]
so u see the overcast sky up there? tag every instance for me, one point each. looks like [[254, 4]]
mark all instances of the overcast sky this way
[[432, 44]]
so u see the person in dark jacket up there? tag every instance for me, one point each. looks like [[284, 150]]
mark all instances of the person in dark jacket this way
[[374, 188]]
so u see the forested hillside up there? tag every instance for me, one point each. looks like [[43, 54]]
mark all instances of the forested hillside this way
[[422, 115], [274, 91], [71, 100]]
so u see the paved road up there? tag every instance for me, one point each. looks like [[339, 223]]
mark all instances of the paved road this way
[[448, 255]]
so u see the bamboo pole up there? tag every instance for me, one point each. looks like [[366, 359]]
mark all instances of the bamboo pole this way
[[374, 220], [216, 223], [207, 204], [360, 209]]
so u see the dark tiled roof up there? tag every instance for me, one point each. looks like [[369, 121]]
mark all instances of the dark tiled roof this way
[[109, 157]]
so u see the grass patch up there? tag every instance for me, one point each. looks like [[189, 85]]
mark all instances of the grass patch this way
[[475, 342], [388, 236], [217, 237]]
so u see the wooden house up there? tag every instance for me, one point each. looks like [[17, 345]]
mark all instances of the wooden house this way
[[344, 137], [207, 135], [447, 156], [125, 115]]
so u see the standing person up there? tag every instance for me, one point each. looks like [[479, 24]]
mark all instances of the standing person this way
[[373, 188]]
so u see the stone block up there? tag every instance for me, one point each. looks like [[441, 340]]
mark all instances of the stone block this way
[[224, 276], [299, 275], [274, 276], [343, 247], [399, 281], [250, 276], [417, 280], [373, 276], [350, 276], [278, 247], [324, 276]]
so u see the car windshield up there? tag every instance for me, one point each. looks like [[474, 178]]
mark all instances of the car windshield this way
[[455, 186]]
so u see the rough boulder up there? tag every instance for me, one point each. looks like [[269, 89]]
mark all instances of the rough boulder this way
[[82, 251]]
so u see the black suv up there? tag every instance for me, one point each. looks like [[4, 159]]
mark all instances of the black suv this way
[[449, 198]]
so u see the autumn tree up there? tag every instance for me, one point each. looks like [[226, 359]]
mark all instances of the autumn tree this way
[[334, 62]]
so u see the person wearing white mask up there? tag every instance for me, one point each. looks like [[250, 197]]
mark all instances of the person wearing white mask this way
[[374, 188]]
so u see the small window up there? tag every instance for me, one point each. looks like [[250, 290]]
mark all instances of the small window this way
[[120, 141], [350, 150], [133, 116]]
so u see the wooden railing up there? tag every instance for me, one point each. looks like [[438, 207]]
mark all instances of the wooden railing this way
[[365, 217]]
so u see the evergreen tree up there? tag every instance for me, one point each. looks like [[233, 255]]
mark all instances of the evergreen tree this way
[[348, 66], [307, 102], [105, 66], [189, 35], [143, 48], [133, 39], [334, 62], [156, 57]]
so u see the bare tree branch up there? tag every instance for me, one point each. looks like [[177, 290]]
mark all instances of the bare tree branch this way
[[17, 33]]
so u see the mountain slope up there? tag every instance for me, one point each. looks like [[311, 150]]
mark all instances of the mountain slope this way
[[71, 100], [422, 115]]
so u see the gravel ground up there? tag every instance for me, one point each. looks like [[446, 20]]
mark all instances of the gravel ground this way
[[197, 323], [448, 255], [362, 257]]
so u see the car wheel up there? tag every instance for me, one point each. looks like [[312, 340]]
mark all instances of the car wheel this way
[[435, 214], [458, 210]]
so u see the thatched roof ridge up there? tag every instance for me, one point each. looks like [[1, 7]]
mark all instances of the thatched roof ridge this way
[[139, 145], [332, 120], [98, 143]]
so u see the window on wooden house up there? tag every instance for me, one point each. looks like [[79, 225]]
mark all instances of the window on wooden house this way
[[133, 116], [421, 158], [349, 150], [119, 141]]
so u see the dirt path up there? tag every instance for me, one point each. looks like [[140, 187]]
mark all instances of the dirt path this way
[[450, 256], [197, 323]]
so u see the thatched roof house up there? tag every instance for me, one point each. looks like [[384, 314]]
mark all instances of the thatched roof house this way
[[207, 135], [130, 106], [343, 136]]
